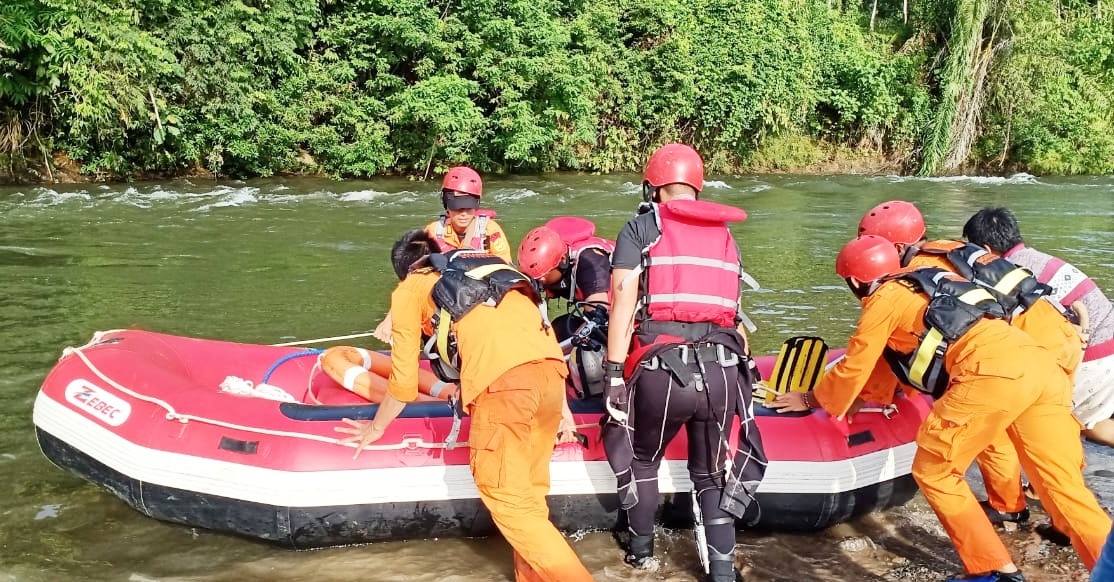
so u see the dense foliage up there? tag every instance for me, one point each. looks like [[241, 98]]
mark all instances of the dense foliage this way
[[362, 87]]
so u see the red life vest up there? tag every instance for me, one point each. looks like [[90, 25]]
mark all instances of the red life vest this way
[[579, 234], [478, 241], [575, 249], [693, 270]]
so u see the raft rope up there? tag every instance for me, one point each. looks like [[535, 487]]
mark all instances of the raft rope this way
[[322, 340], [172, 414], [287, 357]]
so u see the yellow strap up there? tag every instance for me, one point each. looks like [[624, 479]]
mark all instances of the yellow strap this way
[[976, 296], [443, 322], [775, 377], [923, 356], [485, 270], [1011, 281]]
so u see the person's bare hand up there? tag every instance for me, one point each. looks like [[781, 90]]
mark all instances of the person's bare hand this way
[[789, 402], [361, 432], [852, 410], [566, 431], [382, 332]]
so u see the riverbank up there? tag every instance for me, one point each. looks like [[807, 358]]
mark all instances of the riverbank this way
[[904, 544], [814, 159]]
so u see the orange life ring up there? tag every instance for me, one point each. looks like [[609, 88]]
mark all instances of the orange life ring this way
[[365, 372]]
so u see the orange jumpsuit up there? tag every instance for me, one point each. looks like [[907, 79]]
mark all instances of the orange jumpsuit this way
[[999, 463], [512, 384], [496, 240], [1001, 381]]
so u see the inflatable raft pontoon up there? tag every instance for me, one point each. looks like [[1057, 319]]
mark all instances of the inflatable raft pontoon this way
[[144, 416]]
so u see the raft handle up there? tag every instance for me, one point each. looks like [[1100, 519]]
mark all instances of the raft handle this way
[[238, 446]]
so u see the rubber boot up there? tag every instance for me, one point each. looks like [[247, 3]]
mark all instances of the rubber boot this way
[[640, 553], [723, 571], [996, 516], [1048, 532]]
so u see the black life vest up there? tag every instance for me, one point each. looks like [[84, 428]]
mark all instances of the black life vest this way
[[955, 305], [1015, 287], [469, 278]]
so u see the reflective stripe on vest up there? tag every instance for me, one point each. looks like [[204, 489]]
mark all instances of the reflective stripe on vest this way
[[692, 271]]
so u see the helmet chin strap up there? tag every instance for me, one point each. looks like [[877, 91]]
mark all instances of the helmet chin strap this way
[[648, 192], [858, 288]]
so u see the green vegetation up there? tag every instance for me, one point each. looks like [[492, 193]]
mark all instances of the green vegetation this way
[[362, 87]]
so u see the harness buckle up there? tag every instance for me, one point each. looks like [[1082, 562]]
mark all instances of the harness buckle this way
[[455, 405], [726, 357]]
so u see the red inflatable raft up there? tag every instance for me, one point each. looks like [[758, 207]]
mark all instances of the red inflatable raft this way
[[144, 415]]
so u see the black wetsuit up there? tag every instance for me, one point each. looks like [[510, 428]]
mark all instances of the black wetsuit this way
[[702, 395]]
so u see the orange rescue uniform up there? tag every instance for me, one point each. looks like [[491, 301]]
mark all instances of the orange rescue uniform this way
[[1001, 381], [512, 383], [496, 239], [999, 464]]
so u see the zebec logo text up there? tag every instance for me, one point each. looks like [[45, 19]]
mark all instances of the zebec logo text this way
[[98, 402]]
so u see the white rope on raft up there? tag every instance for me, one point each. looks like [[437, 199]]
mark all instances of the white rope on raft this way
[[242, 387], [172, 414], [321, 340]]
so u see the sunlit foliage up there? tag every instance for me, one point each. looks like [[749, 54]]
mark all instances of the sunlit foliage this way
[[364, 87]]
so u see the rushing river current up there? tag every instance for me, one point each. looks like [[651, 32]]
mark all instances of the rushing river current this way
[[287, 259]]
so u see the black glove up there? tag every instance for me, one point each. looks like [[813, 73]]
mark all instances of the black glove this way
[[616, 395]]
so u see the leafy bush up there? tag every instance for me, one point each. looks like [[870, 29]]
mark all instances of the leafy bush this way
[[1053, 108], [364, 87]]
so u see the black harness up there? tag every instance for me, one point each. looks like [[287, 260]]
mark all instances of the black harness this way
[[1015, 288], [469, 278], [954, 307]]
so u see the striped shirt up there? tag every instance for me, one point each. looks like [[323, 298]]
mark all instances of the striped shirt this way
[[1069, 285]]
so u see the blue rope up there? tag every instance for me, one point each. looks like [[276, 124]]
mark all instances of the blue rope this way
[[267, 375]]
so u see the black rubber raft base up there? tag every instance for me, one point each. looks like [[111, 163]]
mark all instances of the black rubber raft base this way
[[317, 527]]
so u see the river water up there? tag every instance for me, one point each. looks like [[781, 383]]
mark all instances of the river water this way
[[284, 259]]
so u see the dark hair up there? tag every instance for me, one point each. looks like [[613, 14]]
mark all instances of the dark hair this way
[[993, 227], [409, 249]]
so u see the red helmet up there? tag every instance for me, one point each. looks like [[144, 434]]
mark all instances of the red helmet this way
[[541, 251], [464, 180], [675, 163], [868, 258], [898, 221]]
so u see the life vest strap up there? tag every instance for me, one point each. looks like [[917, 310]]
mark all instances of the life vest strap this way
[[1011, 280], [482, 271], [679, 358], [931, 346]]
